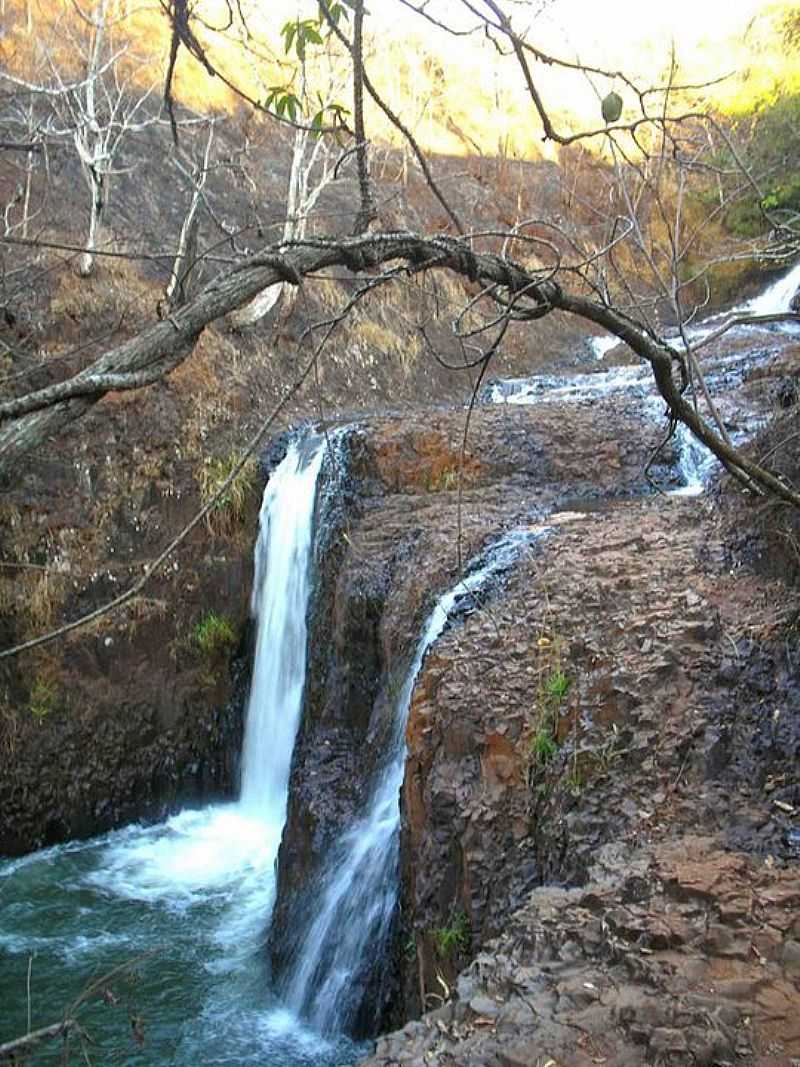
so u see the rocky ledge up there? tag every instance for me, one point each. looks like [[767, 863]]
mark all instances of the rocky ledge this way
[[601, 808]]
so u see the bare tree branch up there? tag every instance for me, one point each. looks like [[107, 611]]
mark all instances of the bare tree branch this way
[[167, 343]]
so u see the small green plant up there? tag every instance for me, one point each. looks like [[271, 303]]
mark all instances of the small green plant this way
[[557, 685], [229, 510], [575, 781], [611, 750], [42, 699], [543, 747], [214, 634], [453, 938]]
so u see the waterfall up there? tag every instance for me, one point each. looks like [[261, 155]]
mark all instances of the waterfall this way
[[198, 889], [772, 301], [279, 604], [357, 895], [231, 849], [776, 297]]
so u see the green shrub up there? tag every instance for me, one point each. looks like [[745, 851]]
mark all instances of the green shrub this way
[[557, 685], [454, 938], [543, 747], [214, 634], [42, 699]]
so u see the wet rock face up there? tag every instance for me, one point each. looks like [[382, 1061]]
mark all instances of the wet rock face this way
[[669, 948], [387, 546], [94, 772]]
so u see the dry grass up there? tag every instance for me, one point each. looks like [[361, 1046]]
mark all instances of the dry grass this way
[[406, 349], [9, 730], [227, 516], [203, 383], [44, 600], [34, 596], [116, 291], [329, 295]]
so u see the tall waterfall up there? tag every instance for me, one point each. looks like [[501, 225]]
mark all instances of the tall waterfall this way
[[280, 603], [347, 937]]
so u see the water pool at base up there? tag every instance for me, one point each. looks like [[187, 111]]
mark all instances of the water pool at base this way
[[192, 896]]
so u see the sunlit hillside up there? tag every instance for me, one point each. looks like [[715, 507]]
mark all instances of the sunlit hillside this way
[[457, 95]]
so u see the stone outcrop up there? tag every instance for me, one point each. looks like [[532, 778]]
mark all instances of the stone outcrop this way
[[601, 801], [389, 546], [670, 953]]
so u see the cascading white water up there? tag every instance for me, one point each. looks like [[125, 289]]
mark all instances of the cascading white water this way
[[280, 604], [198, 851], [695, 462], [197, 890], [358, 890], [776, 297], [774, 300]]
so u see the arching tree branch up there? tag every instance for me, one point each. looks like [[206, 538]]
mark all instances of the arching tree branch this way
[[164, 345]]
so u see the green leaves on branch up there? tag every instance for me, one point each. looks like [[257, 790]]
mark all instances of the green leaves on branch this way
[[283, 102], [330, 115], [298, 34]]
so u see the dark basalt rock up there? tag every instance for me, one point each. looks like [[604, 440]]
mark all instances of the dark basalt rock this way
[[384, 549]]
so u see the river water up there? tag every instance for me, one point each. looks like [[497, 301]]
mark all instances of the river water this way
[[193, 895]]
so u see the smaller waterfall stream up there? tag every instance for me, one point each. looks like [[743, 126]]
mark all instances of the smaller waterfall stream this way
[[775, 297], [358, 891], [695, 463]]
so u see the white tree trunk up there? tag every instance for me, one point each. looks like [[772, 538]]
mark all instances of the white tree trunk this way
[[176, 291], [88, 143], [260, 306], [87, 259], [300, 201]]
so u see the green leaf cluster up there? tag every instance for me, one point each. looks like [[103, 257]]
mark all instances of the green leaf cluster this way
[[298, 36], [453, 938], [214, 634]]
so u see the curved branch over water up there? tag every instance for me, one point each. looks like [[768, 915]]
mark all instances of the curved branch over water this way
[[160, 348]]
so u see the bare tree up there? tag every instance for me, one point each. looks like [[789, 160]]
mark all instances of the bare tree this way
[[177, 290], [314, 160], [97, 110]]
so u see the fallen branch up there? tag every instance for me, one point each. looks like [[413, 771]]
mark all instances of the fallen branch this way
[[747, 320], [167, 343], [10, 1050]]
